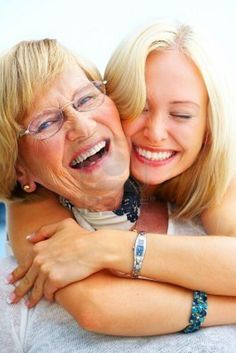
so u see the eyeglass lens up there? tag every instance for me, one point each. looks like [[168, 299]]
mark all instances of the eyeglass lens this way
[[84, 99]]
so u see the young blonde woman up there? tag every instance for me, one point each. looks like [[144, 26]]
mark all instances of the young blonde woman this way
[[113, 249]]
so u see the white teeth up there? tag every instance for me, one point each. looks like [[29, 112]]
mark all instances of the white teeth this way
[[83, 156], [154, 156]]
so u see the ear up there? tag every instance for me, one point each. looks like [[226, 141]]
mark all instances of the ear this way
[[25, 178], [207, 139]]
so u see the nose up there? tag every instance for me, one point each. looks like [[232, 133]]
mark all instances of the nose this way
[[80, 125], [156, 129]]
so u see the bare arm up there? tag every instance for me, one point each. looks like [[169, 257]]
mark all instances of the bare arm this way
[[198, 263], [123, 309], [163, 308], [221, 219], [25, 217], [120, 306], [110, 287], [211, 260]]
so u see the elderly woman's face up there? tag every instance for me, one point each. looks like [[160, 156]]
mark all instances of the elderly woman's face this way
[[87, 158]]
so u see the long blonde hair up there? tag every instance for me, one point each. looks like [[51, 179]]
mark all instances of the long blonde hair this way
[[206, 181], [27, 67]]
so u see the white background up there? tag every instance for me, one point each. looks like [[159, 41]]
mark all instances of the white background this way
[[94, 27]]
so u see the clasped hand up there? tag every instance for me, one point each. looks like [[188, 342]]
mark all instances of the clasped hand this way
[[63, 253]]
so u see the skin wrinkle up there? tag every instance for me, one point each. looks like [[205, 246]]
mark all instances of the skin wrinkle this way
[[79, 131]]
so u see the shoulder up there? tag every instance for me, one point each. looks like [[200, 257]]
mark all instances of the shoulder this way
[[219, 219], [176, 226]]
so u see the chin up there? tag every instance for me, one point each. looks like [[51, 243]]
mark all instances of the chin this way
[[114, 182], [149, 178]]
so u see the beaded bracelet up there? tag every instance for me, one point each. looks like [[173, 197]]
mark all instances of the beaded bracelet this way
[[199, 312], [139, 252]]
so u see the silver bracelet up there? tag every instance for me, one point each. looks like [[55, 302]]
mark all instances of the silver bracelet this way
[[139, 253]]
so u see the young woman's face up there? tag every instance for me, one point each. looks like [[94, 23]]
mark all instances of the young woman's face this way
[[87, 159], [167, 137]]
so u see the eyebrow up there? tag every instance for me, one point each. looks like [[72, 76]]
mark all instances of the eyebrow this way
[[43, 112], [187, 102]]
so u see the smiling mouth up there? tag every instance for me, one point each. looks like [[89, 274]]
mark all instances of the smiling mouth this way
[[91, 156], [154, 156]]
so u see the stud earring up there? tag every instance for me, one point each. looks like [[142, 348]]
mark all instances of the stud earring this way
[[26, 187]]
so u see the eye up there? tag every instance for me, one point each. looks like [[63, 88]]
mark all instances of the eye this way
[[45, 123], [181, 116], [84, 101], [145, 109]]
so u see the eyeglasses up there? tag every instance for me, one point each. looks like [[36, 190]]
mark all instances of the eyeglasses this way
[[50, 122]]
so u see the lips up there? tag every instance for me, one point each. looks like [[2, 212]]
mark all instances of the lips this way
[[90, 156], [154, 155]]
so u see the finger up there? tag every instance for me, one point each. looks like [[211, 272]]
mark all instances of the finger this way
[[25, 285], [37, 291], [49, 290], [53, 283], [43, 233], [18, 273]]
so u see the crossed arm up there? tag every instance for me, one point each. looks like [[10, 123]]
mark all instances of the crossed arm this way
[[108, 304]]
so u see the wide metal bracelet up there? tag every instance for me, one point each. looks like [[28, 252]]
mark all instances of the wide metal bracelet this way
[[139, 253]]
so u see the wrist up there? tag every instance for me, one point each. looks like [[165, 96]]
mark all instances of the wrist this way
[[117, 249]]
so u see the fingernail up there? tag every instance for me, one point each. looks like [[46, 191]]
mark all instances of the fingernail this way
[[11, 298], [29, 236], [27, 303], [9, 279]]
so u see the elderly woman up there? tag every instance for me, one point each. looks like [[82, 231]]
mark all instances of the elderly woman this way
[[24, 167]]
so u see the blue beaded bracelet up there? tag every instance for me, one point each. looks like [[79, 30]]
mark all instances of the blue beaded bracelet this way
[[199, 312]]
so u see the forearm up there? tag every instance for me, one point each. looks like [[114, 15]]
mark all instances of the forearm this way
[[25, 217], [106, 304], [201, 263]]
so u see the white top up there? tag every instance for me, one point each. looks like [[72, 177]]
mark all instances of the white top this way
[[48, 328], [108, 219]]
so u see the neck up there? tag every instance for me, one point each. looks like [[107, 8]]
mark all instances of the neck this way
[[147, 191], [109, 202]]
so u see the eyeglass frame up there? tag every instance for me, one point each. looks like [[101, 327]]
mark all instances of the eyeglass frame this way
[[27, 131]]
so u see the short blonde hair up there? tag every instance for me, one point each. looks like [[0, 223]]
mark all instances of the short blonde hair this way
[[27, 67], [206, 181]]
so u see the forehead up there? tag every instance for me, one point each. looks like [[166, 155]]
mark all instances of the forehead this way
[[58, 92], [172, 71], [70, 78]]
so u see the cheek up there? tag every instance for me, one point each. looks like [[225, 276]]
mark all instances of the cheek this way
[[29, 152], [199, 136], [191, 135], [25, 148], [130, 128], [42, 155], [110, 115]]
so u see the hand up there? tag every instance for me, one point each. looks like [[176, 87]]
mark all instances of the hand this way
[[65, 253]]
